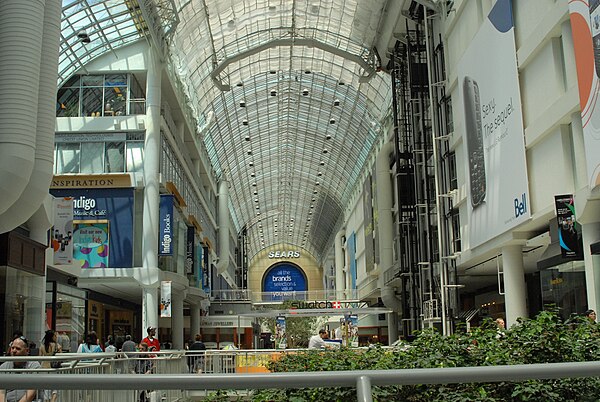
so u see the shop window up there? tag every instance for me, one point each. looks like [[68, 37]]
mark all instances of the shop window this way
[[115, 101], [135, 156], [67, 158], [67, 103], [91, 101], [115, 157], [564, 286], [91, 157]]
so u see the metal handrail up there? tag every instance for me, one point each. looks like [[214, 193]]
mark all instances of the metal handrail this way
[[362, 380]]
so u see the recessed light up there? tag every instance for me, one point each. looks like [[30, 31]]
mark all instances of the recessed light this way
[[245, 122], [325, 151], [331, 121], [242, 104], [273, 93], [336, 102], [328, 137]]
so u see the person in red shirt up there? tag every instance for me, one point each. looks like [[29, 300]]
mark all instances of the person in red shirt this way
[[151, 341]]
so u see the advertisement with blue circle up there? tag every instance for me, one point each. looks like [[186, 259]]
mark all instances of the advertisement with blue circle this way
[[283, 280]]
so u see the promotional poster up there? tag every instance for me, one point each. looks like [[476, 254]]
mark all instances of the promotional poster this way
[[489, 103], [62, 233], [165, 299], [91, 243], [280, 333], [567, 225], [585, 25]]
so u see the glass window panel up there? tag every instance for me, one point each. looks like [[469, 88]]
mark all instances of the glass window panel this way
[[91, 157], [73, 82], [92, 80], [115, 157], [115, 101], [67, 158], [116, 80], [135, 156], [91, 104], [67, 104]]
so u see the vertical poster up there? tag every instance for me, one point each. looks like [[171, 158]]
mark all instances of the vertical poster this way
[[494, 146], [567, 225], [165, 298], [352, 328], [280, 333], [189, 250], [368, 219], [351, 250], [90, 243], [585, 25], [165, 238], [206, 284], [62, 233]]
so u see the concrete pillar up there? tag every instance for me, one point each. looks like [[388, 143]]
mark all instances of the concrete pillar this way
[[339, 265], [514, 284], [177, 318], [591, 234], [149, 308], [151, 189], [194, 319]]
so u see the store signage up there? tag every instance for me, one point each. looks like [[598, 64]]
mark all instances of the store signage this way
[[315, 304], [285, 278], [91, 181], [189, 250], [165, 238], [284, 254]]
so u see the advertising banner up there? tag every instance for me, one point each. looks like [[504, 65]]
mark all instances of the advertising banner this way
[[206, 284], [62, 234], [493, 138], [165, 237], [585, 25], [106, 217], [351, 263], [189, 250], [165, 299], [280, 333], [283, 280], [91, 240], [567, 226], [352, 328]]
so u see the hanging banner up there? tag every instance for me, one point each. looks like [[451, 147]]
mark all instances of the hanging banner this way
[[189, 250], [165, 299], [567, 225], [352, 328], [585, 26], [165, 237], [206, 283], [280, 333], [62, 234], [494, 147]]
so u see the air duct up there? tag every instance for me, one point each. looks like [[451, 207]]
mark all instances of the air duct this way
[[21, 31], [386, 235], [37, 188], [223, 263]]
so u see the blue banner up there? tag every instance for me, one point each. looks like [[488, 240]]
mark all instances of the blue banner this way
[[283, 280], [189, 250], [103, 220], [165, 237]]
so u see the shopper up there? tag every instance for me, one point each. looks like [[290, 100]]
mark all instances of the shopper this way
[[19, 347], [151, 340]]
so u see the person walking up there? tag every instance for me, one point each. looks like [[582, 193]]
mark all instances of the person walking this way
[[196, 355]]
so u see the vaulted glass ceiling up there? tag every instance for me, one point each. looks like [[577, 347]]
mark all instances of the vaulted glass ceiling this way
[[287, 96]]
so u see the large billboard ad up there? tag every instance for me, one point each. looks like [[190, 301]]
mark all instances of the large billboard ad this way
[[490, 102], [585, 25]]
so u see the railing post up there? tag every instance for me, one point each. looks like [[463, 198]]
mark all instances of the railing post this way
[[363, 389]]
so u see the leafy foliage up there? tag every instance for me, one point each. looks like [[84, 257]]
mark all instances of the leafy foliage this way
[[545, 339]]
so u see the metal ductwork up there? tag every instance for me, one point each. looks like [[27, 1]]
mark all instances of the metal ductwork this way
[[37, 187], [21, 33], [386, 233], [223, 263]]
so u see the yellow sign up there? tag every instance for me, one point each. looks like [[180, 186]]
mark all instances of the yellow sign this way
[[91, 181]]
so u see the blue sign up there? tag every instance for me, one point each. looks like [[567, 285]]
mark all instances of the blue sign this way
[[165, 237], [283, 280], [106, 207]]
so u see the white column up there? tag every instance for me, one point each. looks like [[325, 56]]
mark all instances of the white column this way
[[149, 307], [194, 319], [339, 265], [177, 318], [151, 190], [591, 234], [514, 284]]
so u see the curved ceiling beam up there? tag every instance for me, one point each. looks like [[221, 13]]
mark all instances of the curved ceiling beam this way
[[367, 63]]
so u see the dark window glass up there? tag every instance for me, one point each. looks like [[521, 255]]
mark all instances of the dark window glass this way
[[73, 82], [67, 104], [91, 104], [115, 101], [92, 80]]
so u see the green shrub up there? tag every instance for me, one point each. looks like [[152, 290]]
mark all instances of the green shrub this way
[[545, 339]]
